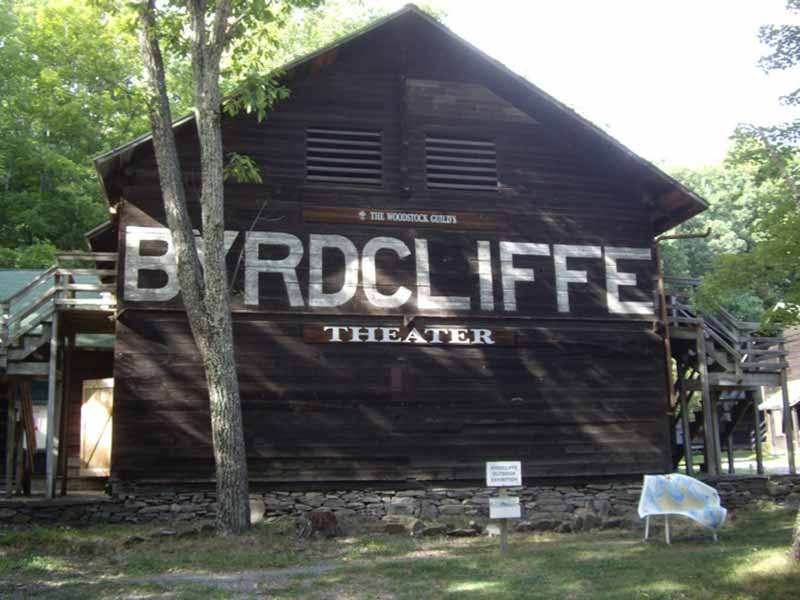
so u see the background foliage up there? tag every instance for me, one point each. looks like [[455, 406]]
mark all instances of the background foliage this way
[[71, 89], [751, 263]]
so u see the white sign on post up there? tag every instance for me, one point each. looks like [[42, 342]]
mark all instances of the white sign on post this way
[[504, 507], [504, 473]]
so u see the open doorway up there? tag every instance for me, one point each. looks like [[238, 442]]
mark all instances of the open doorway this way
[[96, 424]]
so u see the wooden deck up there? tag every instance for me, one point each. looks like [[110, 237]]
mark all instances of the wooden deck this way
[[725, 362], [38, 327]]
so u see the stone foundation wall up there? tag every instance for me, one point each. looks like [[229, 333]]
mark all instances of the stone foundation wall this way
[[563, 507]]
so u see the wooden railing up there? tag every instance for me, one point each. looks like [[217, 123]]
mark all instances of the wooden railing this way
[[57, 289], [744, 349]]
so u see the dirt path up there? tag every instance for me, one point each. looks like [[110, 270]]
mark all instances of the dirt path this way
[[253, 581]]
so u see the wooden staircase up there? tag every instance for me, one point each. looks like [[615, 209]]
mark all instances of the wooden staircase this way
[[721, 364], [76, 295]]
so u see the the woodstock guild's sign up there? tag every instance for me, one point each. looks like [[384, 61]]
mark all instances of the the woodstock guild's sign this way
[[360, 271], [424, 218]]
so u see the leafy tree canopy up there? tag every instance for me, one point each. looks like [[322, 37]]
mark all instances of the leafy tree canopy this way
[[755, 213], [71, 88]]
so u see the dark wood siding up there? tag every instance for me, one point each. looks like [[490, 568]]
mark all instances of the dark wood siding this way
[[567, 400], [579, 394]]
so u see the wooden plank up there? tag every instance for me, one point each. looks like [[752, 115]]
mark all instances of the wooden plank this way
[[51, 450], [97, 256], [11, 432], [85, 302], [788, 422], [710, 446], [28, 428], [31, 369], [69, 351], [747, 380], [21, 472], [687, 431], [89, 287], [97, 272], [757, 399]]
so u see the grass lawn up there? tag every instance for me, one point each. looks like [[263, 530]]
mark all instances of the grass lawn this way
[[750, 561]]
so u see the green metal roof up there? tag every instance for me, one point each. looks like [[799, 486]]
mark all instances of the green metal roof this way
[[13, 280]]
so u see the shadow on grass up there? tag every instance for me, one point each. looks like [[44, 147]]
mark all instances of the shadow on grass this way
[[749, 561]]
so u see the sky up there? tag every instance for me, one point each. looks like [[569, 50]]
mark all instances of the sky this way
[[670, 80]]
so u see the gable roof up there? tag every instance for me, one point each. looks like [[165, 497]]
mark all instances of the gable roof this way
[[674, 202]]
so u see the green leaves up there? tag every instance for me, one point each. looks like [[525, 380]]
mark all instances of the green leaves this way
[[66, 95], [242, 169], [256, 94]]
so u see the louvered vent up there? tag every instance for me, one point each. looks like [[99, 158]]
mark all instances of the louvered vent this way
[[460, 164], [342, 156]]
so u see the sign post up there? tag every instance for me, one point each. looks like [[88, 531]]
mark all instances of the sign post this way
[[504, 474]]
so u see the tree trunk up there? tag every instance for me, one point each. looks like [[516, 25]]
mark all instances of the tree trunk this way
[[230, 460], [204, 289]]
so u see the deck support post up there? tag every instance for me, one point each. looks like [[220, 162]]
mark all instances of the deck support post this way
[[685, 425], [756, 396], [729, 441], [20, 471], [715, 400], [788, 422], [11, 433], [53, 415], [712, 458], [63, 453]]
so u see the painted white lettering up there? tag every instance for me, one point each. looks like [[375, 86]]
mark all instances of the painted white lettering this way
[[564, 276], [166, 262], [414, 337], [335, 331], [485, 275], [317, 297], [482, 336], [376, 298], [436, 333], [459, 336], [363, 334], [615, 279], [425, 301], [286, 267], [511, 275], [391, 334], [135, 262]]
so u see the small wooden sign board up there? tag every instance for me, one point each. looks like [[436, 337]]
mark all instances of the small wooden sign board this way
[[507, 473], [504, 507], [405, 217], [504, 474]]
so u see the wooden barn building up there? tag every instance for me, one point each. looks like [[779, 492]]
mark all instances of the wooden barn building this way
[[443, 266]]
